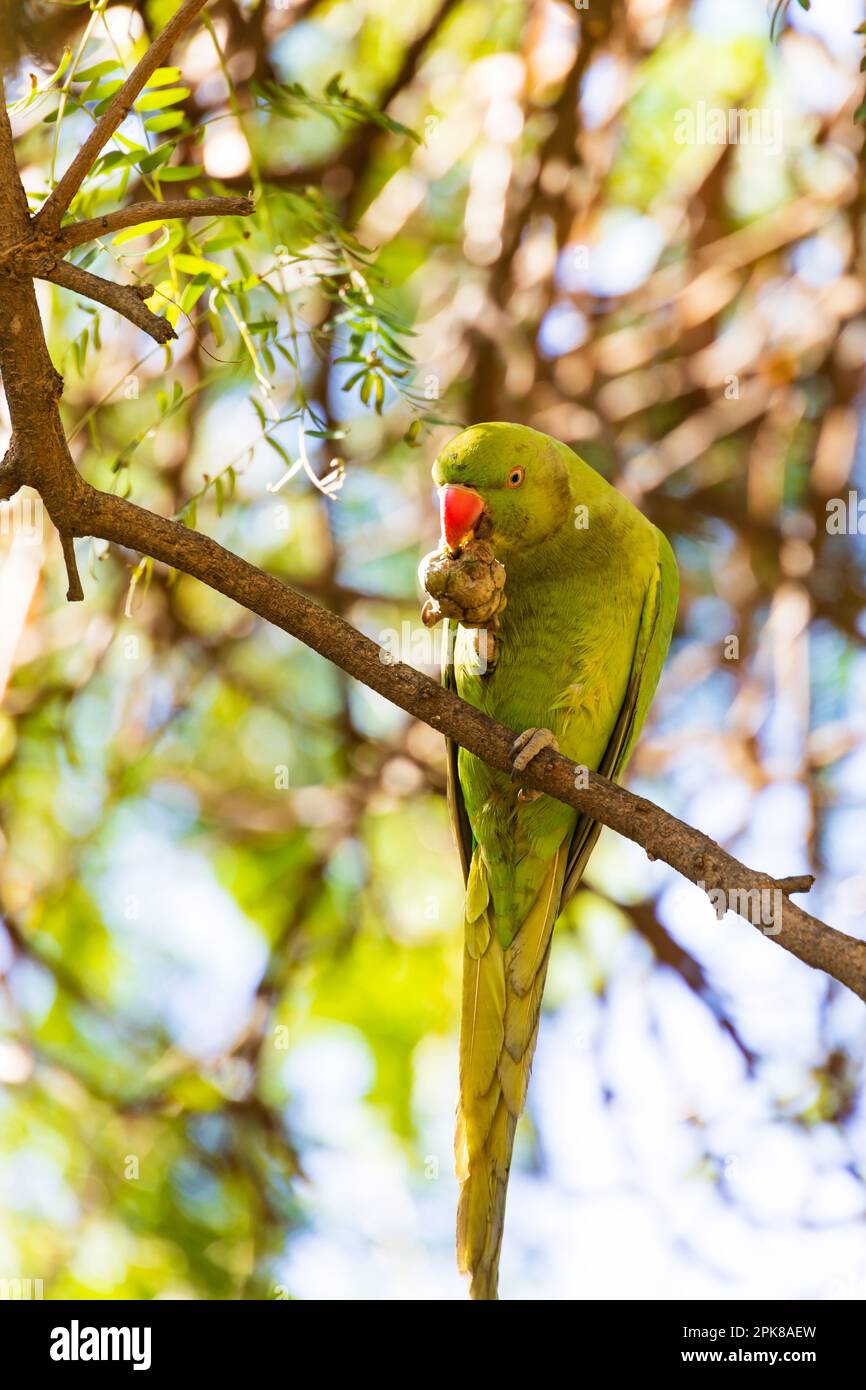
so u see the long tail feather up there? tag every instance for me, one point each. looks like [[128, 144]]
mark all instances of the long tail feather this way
[[502, 989]]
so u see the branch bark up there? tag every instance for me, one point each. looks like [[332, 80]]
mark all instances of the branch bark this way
[[77, 233], [127, 300], [39, 454], [48, 220], [9, 479]]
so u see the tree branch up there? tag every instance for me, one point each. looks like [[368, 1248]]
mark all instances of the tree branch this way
[[49, 218], [75, 593], [127, 300], [748, 892], [40, 454], [77, 233]]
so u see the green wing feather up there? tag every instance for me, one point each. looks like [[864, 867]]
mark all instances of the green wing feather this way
[[654, 635], [463, 836]]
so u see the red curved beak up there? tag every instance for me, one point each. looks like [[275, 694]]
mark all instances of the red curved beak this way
[[460, 509]]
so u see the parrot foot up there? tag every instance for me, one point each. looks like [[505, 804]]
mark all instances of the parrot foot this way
[[526, 747]]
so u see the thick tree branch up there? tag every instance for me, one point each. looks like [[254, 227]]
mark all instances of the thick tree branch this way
[[49, 218], [40, 454], [127, 300], [77, 233]]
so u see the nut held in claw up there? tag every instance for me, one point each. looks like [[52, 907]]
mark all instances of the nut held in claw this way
[[468, 586]]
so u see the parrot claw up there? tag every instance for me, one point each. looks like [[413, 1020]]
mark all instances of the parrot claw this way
[[526, 747]]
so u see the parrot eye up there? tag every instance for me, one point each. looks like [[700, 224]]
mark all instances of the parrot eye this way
[[515, 477]]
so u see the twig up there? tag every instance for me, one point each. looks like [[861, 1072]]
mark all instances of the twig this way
[[796, 883], [74, 593], [49, 218], [77, 233], [127, 300]]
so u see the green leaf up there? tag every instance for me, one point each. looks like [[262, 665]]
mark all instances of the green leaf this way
[[155, 101], [170, 120], [216, 327], [278, 449], [132, 233], [111, 160], [163, 77], [180, 173], [197, 265], [60, 69], [173, 236], [96, 70], [225, 241], [193, 292], [159, 156], [102, 91]]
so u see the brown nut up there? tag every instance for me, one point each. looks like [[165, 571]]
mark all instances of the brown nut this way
[[467, 586]]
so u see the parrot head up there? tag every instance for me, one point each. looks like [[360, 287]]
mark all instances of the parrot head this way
[[507, 484]]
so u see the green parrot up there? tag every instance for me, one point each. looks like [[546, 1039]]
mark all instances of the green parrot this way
[[591, 589]]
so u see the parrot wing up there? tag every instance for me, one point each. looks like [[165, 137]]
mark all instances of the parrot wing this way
[[456, 805], [654, 635]]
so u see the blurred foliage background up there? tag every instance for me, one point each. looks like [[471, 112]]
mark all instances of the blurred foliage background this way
[[229, 951]]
